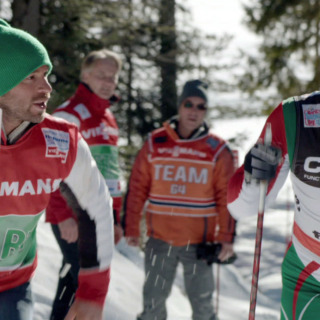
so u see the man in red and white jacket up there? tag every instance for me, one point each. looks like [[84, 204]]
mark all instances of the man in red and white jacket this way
[[89, 109], [37, 155]]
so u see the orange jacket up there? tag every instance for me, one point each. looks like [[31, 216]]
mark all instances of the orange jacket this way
[[185, 183]]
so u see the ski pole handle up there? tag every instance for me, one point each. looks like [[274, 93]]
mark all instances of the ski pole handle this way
[[264, 183]]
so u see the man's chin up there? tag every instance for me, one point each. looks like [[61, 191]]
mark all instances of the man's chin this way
[[104, 95], [38, 118]]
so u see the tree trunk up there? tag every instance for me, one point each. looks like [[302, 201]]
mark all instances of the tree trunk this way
[[168, 58], [26, 15]]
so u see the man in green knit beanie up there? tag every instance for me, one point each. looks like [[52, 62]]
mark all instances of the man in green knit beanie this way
[[20, 55], [39, 154]]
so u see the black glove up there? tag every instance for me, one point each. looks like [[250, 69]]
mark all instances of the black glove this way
[[261, 162], [210, 253]]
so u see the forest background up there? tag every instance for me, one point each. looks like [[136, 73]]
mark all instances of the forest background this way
[[161, 49]]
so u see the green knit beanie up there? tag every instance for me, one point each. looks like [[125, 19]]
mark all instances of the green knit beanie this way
[[20, 55]]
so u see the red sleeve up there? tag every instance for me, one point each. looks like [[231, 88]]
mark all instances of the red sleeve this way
[[138, 191], [57, 209], [93, 286], [240, 199], [117, 205], [223, 170], [234, 185]]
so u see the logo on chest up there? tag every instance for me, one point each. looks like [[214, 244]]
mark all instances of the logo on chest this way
[[83, 112], [102, 131], [311, 115], [57, 143], [178, 151], [181, 174]]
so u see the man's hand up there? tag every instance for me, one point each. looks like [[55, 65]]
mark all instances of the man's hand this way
[[118, 233], [226, 251], [261, 162], [133, 241], [84, 310], [69, 230]]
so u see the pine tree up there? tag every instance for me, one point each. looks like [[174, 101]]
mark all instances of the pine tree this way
[[289, 57], [158, 55]]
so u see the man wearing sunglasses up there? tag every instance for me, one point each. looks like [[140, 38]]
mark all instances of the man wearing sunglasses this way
[[182, 171]]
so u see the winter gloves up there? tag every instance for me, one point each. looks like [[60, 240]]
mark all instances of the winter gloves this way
[[261, 162]]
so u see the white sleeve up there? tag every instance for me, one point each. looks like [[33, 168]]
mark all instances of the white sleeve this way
[[88, 186], [68, 117], [247, 202]]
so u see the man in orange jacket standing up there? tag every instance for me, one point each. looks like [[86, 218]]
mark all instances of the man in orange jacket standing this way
[[183, 172]]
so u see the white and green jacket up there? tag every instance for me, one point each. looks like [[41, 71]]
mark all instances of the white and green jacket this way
[[295, 127]]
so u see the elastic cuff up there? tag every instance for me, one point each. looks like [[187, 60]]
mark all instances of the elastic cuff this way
[[93, 286], [226, 238]]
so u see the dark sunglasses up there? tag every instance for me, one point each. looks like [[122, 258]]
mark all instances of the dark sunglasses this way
[[189, 105]]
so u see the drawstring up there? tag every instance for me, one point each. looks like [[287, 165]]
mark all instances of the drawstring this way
[[204, 239], [3, 139]]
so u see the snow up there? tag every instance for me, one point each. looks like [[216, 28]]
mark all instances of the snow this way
[[124, 299]]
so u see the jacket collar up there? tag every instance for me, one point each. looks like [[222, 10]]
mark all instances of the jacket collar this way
[[96, 104], [16, 134], [172, 127]]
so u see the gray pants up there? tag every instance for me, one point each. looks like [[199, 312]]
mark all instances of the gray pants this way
[[161, 261]]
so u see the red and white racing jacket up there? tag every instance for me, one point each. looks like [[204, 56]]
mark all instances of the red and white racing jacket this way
[[31, 169], [99, 129], [185, 183]]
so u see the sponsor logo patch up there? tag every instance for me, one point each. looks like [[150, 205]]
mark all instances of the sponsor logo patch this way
[[57, 142], [311, 115], [102, 130], [177, 151], [212, 142], [83, 112]]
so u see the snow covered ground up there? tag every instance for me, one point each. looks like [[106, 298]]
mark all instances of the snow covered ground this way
[[124, 300]]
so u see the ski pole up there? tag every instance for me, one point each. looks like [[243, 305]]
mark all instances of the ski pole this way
[[0, 125], [217, 288], [257, 250]]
